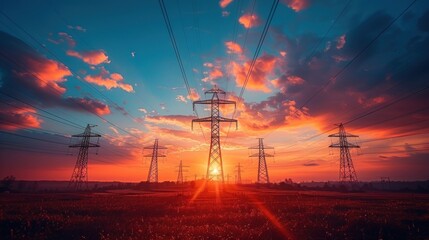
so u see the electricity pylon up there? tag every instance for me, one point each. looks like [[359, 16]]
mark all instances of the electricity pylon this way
[[347, 171], [153, 169], [262, 163], [180, 173], [214, 166], [238, 179], [80, 172]]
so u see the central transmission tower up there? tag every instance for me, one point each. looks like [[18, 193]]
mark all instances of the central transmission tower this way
[[262, 163], [80, 172], [180, 177], [347, 171], [238, 179], [214, 166], [153, 169]]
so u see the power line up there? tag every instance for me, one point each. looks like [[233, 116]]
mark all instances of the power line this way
[[255, 56], [260, 43], [329, 29], [38, 114], [57, 91], [56, 57], [388, 105], [335, 76], [350, 62], [33, 138], [177, 53], [173, 42]]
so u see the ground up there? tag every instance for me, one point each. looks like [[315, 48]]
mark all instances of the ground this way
[[231, 213]]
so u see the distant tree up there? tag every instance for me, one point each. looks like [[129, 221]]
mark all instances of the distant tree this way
[[7, 182]]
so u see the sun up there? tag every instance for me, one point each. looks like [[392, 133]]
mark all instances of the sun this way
[[215, 171]]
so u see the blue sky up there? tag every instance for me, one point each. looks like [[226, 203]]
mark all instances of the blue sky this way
[[129, 47]]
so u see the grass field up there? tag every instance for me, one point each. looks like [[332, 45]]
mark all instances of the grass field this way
[[234, 213]]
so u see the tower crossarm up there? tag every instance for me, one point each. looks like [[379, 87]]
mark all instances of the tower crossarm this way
[[150, 155], [212, 101], [342, 135], [230, 120], [257, 147], [151, 147], [348, 145], [215, 90], [258, 155], [86, 135], [78, 145]]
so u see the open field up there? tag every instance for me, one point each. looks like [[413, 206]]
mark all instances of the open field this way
[[235, 213]]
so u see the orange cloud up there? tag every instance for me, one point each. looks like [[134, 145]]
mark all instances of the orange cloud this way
[[193, 96], [94, 57], [49, 73], [109, 81], [18, 118], [258, 81], [181, 121], [233, 47], [249, 20], [224, 3], [341, 41], [297, 5], [214, 73], [181, 98]]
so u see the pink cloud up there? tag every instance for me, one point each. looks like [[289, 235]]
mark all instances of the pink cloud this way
[[18, 118], [49, 73], [109, 81], [341, 41], [181, 98], [297, 5], [295, 80], [193, 96], [233, 47], [207, 64], [91, 105], [224, 3], [214, 73], [78, 28], [274, 112], [69, 39], [94, 57], [258, 81], [249, 20], [181, 121]]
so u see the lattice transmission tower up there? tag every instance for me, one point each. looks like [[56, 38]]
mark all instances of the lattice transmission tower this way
[[214, 165], [152, 176], [238, 170], [80, 171], [182, 169], [262, 162], [347, 170]]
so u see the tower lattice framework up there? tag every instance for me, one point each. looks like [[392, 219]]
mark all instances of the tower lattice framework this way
[[347, 170], [80, 171], [214, 165], [152, 175], [180, 174], [182, 169], [238, 180], [262, 162]]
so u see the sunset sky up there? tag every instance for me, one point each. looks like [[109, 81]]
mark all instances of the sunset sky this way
[[66, 64]]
